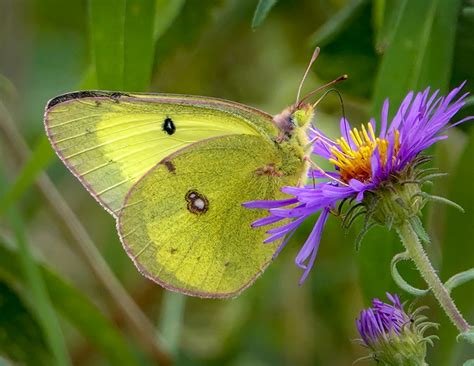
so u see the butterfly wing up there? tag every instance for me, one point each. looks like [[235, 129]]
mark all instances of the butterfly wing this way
[[109, 140], [183, 223]]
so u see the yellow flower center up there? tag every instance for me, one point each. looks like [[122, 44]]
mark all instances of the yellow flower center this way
[[355, 163]]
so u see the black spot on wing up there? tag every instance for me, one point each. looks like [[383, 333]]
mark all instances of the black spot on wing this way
[[168, 126], [84, 94]]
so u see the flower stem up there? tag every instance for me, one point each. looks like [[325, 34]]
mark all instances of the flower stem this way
[[417, 253]]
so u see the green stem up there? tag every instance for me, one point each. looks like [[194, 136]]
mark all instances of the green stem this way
[[417, 253]]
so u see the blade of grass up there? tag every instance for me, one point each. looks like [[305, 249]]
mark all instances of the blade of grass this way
[[166, 13], [347, 46], [41, 157], [429, 42], [171, 319], [25, 347], [75, 307], [336, 24], [42, 303], [463, 58], [107, 29], [117, 295], [386, 16], [122, 40], [263, 8], [139, 44]]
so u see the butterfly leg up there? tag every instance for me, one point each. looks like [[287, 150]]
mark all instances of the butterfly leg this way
[[315, 166]]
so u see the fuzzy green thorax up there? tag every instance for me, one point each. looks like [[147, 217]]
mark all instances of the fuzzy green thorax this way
[[303, 115]]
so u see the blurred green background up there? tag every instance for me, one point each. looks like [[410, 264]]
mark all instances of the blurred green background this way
[[69, 293]]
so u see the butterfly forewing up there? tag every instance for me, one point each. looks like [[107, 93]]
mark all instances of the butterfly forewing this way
[[110, 140]]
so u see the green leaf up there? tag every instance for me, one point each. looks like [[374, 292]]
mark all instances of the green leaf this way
[[107, 28], [346, 41], [387, 14], [337, 23], [263, 8], [464, 54], [166, 13], [122, 33], [468, 363], [26, 346], [420, 231], [41, 156], [75, 307], [467, 336], [400, 281], [139, 42], [457, 248], [459, 279], [420, 52]]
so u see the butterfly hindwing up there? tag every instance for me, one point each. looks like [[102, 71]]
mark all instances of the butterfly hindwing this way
[[183, 222], [109, 140]]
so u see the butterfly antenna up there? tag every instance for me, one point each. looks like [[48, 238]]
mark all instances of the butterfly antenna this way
[[311, 62], [340, 99], [335, 81]]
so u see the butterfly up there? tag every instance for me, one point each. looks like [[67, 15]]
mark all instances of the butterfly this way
[[174, 170]]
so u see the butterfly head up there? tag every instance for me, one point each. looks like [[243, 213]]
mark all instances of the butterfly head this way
[[295, 116]]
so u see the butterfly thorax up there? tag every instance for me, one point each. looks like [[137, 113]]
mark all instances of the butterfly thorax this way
[[292, 138]]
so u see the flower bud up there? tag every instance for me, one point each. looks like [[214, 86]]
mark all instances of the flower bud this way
[[394, 337]]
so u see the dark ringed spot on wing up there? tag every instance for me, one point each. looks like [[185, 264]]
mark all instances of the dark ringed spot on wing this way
[[170, 166], [168, 126], [173, 250], [197, 202]]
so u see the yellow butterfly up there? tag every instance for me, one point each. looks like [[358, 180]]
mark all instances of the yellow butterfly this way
[[174, 171]]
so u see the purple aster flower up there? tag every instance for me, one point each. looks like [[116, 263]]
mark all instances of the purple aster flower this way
[[369, 165], [393, 336]]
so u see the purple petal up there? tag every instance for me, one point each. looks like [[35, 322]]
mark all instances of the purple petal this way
[[266, 221], [311, 246], [269, 204]]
